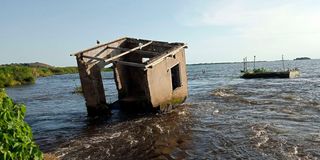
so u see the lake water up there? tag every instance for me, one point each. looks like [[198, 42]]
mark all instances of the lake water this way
[[225, 117]]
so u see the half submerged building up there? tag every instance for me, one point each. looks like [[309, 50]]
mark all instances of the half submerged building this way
[[148, 74]]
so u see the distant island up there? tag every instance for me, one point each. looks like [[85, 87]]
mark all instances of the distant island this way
[[302, 58]]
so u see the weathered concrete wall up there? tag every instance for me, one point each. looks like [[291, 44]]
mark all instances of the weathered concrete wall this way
[[137, 86], [131, 83], [160, 83], [92, 88], [91, 80]]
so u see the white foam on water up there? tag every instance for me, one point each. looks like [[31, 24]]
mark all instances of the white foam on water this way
[[149, 130], [115, 135], [295, 150], [133, 142], [260, 135], [87, 146], [160, 128], [182, 113]]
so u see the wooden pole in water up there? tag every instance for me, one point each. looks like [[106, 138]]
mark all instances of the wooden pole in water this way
[[283, 64], [244, 64], [254, 62]]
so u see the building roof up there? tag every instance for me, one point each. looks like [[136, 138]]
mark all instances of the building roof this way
[[112, 52]]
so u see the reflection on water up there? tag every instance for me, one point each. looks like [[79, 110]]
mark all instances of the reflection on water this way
[[225, 117]]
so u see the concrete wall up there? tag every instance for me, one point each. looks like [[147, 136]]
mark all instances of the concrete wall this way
[[160, 84], [144, 87], [130, 81], [91, 80]]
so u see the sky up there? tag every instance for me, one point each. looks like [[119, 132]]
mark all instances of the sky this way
[[214, 30]]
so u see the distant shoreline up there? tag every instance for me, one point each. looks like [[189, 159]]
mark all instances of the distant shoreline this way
[[27, 73], [208, 63], [193, 64]]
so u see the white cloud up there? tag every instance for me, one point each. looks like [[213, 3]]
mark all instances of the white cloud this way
[[277, 18], [264, 26]]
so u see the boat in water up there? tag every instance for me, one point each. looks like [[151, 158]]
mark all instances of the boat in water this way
[[265, 73], [292, 73]]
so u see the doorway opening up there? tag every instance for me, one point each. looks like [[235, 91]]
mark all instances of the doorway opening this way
[[175, 77]]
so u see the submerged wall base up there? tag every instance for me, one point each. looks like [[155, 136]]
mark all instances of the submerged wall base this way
[[168, 105], [101, 110]]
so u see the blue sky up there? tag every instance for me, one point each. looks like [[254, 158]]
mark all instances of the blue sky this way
[[215, 31]]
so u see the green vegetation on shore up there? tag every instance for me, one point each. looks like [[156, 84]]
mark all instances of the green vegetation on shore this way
[[15, 134], [12, 75], [19, 74], [106, 70]]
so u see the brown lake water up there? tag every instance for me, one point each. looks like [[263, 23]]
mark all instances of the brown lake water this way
[[225, 117]]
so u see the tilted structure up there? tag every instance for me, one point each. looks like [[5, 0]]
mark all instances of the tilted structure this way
[[148, 74]]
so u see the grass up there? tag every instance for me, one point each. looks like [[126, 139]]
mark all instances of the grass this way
[[107, 70], [15, 134], [63, 70], [13, 75], [260, 70], [257, 70]]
